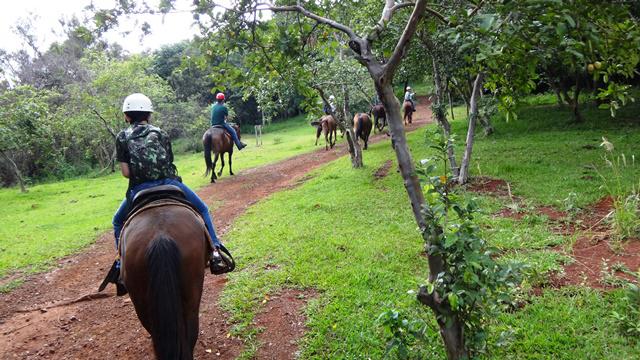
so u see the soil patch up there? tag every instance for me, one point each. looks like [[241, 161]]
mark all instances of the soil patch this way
[[283, 322], [383, 170], [593, 250], [108, 327], [487, 185]]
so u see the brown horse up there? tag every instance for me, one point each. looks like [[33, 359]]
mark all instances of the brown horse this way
[[164, 249], [219, 141], [362, 127], [379, 116], [327, 125], [408, 112]]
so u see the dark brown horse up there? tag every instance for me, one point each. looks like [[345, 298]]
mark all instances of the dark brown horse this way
[[164, 249], [362, 127], [379, 116], [327, 125], [219, 141], [408, 112]]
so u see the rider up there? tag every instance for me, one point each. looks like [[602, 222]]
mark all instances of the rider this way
[[408, 96], [331, 107], [219, 114], [146, 159]]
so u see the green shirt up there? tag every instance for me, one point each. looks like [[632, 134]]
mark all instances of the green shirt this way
[[218, 113]]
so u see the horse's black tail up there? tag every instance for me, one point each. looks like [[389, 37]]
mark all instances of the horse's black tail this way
[[206, 142], [359, 126], [167, 326]]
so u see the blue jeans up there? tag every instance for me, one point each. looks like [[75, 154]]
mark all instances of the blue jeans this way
[[233, 133], [121, 213]]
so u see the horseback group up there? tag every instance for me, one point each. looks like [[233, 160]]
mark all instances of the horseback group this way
[[164, 233], [362, 125]]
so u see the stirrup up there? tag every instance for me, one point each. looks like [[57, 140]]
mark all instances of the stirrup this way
[[221, 261], [113, 276]]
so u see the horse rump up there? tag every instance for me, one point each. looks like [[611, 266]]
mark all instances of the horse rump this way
[[165, 297]]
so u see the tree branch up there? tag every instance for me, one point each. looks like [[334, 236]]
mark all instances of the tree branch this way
[[334, 24], [436, 14], [478, 6], [409, 30], [385, 18], [106, 124]]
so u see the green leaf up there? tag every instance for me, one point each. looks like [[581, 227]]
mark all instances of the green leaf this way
[[453, 301], [570, 20]]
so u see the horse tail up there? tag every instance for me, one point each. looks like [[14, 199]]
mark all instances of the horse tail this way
[[206, 142], [166, 312], [359, 125]]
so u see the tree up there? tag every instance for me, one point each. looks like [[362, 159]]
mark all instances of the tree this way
[[27, 141], [382, 73]]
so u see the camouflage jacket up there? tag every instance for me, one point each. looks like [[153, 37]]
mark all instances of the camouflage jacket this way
[[147, 150]]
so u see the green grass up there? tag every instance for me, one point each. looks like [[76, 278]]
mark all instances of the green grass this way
[[56, 219], [545, 156], [353, 239], [571, 323]]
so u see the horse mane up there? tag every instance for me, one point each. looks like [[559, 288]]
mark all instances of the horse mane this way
[[163, 263]]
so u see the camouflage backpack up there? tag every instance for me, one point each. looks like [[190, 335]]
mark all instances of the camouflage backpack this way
[[149, 153]]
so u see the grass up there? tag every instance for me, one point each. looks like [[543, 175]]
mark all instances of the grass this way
[[545, 156], [352, 238], [56, 219]]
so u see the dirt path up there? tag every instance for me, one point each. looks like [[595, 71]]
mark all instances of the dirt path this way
[[36, 320]]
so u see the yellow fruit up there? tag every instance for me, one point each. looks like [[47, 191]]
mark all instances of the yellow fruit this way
[[590, 68], [597, 64]]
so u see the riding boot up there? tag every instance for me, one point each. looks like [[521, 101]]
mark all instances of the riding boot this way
[[113, 276]]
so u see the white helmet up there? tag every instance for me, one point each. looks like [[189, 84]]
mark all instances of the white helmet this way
[[408, 88], [331, 97], [137, 102]]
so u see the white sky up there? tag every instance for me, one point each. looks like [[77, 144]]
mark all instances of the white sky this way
[[167, 29]]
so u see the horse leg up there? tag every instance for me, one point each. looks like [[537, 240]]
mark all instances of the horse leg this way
[[221, 164], [318, 132], [213, 168], [230, 169], [326, 140]]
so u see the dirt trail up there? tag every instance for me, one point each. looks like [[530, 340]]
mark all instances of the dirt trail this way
[[108, 327]]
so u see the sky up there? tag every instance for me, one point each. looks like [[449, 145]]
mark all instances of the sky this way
[[167, 29]]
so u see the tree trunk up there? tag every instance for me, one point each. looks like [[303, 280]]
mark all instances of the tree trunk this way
[[16, 172], [354, 147], [453, 118], [575, 103], [441, 118], [466, 158]]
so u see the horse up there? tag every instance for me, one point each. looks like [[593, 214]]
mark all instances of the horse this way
[[379, 116], [362, 127], [408, 111], [216, 139], [165, 248], [327, 125]]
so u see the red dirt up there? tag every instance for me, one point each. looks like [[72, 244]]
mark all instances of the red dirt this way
[[282, 321], [108, 327], [594, 246], [483, 184], [383, 170]]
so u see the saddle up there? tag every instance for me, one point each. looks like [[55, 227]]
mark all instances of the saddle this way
[[160, 196], [221, 127]]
